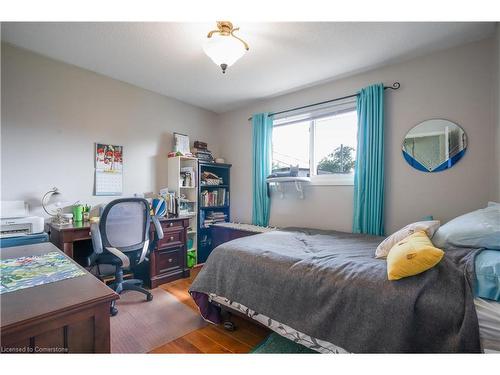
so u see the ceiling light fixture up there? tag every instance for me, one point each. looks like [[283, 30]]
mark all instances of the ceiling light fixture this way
[[223, 47]]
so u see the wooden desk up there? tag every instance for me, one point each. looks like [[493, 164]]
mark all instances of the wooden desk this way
[[67, 316], [168, 259], [64, 236]]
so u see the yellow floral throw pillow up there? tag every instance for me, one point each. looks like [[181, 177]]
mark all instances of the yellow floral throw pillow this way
[[411, 256]]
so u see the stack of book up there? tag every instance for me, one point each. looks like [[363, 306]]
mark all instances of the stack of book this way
[[214, 217], [216, 197], [201, 151]]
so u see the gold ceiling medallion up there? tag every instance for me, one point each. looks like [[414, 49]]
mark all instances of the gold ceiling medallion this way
[[222, 46]]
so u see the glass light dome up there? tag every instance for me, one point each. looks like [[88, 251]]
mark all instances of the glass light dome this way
[[224, 50]]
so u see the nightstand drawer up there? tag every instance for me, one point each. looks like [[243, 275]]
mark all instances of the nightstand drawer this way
[[172, 239], [168, 260]]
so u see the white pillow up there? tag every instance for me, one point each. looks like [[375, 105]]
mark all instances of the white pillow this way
[[386, 245], [480, 228]]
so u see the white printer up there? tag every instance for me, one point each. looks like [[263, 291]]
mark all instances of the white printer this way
[[15, 222]]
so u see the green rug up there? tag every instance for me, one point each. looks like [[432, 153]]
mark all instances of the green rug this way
[[277, 344]]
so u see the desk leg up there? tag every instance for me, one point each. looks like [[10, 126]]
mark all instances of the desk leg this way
[[68, 249], [102, 329]]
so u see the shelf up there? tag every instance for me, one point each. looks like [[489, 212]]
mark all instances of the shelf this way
[[189, 201], [288, 179], [214, 165], [213, 186], [222, 171], [298, 181]]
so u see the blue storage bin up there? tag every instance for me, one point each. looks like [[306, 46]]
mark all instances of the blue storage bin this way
[[24, 240]]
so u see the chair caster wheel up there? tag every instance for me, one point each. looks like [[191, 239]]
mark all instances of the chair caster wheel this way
[[113, 311], [229, 326], [149, 297]]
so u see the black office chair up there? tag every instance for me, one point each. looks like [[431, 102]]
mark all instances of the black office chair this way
[[121, 239]]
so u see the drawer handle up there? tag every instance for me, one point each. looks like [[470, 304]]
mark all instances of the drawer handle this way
[[170, 224], [170, 260], [171, 238]]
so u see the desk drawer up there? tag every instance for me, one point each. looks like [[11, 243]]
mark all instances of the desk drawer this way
[[171, 239], [76, 235], [169, 226], [168, 260]]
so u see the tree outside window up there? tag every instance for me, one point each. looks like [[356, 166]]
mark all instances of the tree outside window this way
[[341, 160]]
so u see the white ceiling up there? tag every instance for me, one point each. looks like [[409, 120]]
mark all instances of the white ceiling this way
[[168, 58]]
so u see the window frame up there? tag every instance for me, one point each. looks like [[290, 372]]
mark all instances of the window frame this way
[[336, 179]]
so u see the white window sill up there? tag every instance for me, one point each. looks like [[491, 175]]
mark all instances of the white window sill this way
[[327, 180]]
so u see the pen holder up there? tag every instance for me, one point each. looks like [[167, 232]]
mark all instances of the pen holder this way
[[78, 213]]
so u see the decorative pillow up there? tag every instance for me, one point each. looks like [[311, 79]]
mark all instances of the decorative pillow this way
[[411, 256], [487, 266], [480, 228], [386, 245]]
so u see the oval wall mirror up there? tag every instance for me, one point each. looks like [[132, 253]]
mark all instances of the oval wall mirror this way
[[434, 145]]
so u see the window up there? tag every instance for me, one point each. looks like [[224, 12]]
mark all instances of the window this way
[[322, 146]]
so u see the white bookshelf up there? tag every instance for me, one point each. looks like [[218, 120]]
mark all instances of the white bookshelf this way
[[190, 192]]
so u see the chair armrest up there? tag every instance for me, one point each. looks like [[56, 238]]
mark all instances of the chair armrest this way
[[158, 228], [95, 234]]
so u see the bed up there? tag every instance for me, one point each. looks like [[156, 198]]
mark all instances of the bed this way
[[488, 315], [325, 290]]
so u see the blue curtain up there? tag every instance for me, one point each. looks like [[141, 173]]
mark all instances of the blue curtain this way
[[369, 169], [262, 125]]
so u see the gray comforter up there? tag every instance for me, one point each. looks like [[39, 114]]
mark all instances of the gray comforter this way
[[329, 286]]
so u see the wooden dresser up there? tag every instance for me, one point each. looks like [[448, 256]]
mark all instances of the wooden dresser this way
[[67, 316], [168, 260]]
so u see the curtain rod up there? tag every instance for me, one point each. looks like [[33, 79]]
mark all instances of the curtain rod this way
[[396, 85]]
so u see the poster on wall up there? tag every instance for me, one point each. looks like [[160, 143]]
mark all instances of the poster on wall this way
[[108, 158], [108, 169]]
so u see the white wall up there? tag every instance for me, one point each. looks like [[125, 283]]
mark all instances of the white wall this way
[[497, 106], [455, 84], [52, 113]]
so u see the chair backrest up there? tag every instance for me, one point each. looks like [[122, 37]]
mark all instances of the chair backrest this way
[[125, 224]]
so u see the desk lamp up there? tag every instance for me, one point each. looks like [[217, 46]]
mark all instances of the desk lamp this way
[[56, 214]]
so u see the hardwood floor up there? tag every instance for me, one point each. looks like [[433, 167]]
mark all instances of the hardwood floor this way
[[211, 338]]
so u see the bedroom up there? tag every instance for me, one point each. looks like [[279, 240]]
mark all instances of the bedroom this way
[[301, 183]]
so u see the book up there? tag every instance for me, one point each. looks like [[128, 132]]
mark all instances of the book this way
[[213, 218], [216, 197]]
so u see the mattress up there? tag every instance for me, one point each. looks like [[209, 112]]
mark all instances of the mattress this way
[[488, 315]]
